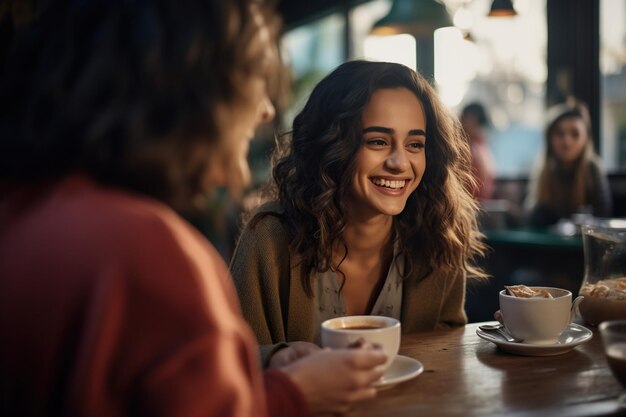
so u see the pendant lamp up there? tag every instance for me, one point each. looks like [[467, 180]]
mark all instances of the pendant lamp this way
[[414, 17], [502, 8]]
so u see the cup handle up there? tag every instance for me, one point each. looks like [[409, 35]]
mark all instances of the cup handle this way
[[575, 311]]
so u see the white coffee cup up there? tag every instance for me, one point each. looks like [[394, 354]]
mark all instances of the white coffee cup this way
[[538, 320], [341, 332]]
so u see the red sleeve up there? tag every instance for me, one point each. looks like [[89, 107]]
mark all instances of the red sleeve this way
[[207, 378], [213, 369], [284, 399], [170, 339]]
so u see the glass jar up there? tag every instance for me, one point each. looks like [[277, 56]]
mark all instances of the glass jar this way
[[604, 284]]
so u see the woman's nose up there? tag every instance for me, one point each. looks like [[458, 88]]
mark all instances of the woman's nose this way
[[397, 160], [266, 110]]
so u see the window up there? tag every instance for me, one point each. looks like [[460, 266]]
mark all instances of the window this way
[[502, 66], [312, 51], [613, 83], [500, 62]]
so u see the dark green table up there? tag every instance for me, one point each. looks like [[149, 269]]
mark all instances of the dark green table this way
[[533, 238]]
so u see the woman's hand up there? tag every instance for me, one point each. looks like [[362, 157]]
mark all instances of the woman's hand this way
[[294, 351], [498, 316], [332, 380]]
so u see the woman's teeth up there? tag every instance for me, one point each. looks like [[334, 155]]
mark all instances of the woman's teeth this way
[[389, 184]]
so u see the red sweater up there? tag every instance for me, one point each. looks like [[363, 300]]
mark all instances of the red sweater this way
[[112, 305]]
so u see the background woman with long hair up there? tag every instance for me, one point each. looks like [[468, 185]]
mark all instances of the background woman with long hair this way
[[570, 177]]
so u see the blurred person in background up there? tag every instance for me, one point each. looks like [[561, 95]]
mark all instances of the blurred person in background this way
[[475, 122], [570, 178], [370, 213], [115, 115]]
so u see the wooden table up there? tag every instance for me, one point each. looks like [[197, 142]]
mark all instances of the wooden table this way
[[467, 376]]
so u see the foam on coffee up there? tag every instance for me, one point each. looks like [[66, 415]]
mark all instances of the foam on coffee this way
[[359, 325], [522, 291]]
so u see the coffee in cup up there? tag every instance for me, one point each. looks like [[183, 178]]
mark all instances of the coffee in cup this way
[[341, 332], [614, 341], [537, 319]]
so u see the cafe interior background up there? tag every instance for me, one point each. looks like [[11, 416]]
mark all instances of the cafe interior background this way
[[517, 58]]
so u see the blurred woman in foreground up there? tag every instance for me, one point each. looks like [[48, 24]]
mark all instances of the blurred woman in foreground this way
[[114, 115]]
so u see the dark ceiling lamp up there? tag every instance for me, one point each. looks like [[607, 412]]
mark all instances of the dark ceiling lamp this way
[[502, 8], [413, 16]]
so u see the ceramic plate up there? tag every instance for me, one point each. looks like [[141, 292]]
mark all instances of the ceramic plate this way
[[401, 369], [572, 336]]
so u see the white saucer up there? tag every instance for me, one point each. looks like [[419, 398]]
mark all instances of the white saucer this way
[[572, 336], [401, 369]]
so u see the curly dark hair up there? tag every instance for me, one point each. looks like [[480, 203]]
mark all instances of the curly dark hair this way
[[314, 163], [126, 90]]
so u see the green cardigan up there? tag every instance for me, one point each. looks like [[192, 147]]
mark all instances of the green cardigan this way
[[267, 277]]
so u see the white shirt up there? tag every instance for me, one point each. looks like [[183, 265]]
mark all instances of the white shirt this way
[[329, 300]]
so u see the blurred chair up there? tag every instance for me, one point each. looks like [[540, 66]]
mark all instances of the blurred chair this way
[[497, 214]]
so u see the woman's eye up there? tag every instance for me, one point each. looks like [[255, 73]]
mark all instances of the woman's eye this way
[[416, 145], [376, 142]]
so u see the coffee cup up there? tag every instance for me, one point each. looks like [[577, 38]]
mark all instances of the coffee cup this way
[[341, 332], [614, 341], [538, 320]]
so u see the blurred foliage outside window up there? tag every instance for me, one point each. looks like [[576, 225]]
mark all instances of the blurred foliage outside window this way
[[312, 51]]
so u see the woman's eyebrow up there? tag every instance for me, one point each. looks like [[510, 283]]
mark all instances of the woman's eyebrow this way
[[417, 132], [379, 129], [387, 130]]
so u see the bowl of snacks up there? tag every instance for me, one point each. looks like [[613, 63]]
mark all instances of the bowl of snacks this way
[[604, 284]]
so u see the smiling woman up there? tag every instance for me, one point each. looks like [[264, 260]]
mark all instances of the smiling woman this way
[[390, 164], [371, 213]]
